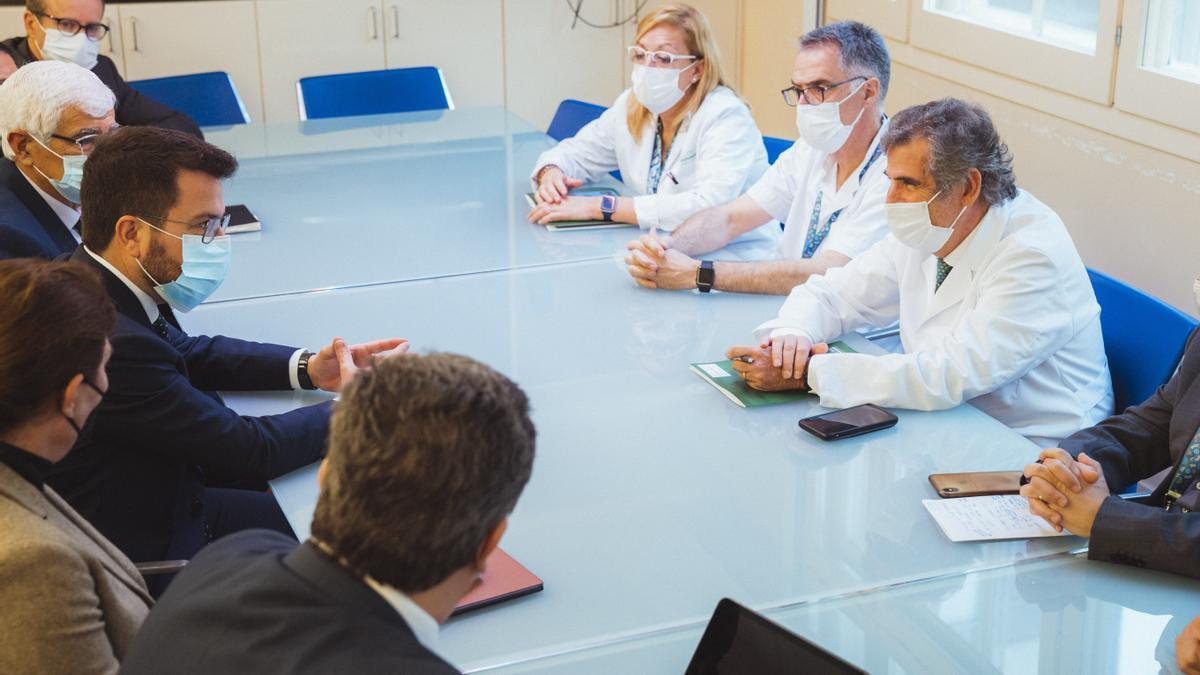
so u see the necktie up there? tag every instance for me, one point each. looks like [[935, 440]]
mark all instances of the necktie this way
[[1185, 471], [165, 318], [943, 271], [78, 228]]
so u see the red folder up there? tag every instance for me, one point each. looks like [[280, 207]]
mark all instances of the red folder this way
[[504, 579]]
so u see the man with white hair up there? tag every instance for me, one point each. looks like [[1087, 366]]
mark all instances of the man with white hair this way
[[70, 31], [51, 115]]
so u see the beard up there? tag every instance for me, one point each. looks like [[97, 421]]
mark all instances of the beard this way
[[159, 265]]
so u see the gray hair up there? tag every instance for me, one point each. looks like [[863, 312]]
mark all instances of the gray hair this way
[[34, 98], [861, 50], [961, 137]]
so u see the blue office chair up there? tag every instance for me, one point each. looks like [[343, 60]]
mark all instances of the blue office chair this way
[[210, 99], [572, 116], [374, 92], [775, 147], [1144, 338]]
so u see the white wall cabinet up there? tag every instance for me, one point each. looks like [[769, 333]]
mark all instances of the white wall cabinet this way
[[463, 38], [302, 38], [174, 38]]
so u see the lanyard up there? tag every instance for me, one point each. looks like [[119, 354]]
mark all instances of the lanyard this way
[[817, 234]]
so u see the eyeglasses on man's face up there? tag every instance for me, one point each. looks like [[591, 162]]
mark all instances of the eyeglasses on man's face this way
[[814, 95], [94, 31]]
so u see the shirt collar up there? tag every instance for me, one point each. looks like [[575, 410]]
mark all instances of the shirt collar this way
[[69, 215], [424, 626], [148, 303], [970, 250]]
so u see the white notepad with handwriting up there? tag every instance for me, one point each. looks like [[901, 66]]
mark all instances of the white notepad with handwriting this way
[[989, 518]]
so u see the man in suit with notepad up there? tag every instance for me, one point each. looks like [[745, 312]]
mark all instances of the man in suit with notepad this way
[[427, 457], [1073, 486]]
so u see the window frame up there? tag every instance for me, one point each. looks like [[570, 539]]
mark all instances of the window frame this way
[[1087, 76], [889, 17], [1146, 93]]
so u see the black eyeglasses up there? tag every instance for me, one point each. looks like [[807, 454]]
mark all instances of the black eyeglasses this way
[[94, 31], [85, 142], [814, 95], [210, 226]]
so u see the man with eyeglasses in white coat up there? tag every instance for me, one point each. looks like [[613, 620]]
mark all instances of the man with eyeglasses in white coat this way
[[828, 188], [994, 304]]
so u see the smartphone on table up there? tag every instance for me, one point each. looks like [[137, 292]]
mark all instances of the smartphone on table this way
[[976, 483], [855, 421]]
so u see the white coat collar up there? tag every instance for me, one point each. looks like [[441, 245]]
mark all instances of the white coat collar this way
[[966, 259]]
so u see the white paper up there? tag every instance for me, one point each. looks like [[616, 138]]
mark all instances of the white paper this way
[[713, 370], [988, 518]]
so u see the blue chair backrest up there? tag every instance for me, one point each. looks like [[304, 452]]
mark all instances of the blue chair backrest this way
[[208, 98], [1144, 338], [572, 116], [374, 92], [775, 147]]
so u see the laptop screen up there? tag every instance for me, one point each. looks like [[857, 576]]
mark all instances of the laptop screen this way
[[738, 640]]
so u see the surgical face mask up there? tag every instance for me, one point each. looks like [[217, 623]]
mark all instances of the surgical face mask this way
[[77, 48], [821, 125], [910, 223], [67, 186], [204, 268], [657, 88]]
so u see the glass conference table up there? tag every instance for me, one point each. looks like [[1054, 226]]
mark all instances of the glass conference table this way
[[652, 496], [392, 198]]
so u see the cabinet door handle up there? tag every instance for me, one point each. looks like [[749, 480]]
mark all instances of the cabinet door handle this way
[[374, 23], [396, 20], [133, 29]]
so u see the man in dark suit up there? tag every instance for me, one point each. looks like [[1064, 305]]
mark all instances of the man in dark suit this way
[[1071, 487], [427, 457], [70, 31], [143, 470], [51, 115]]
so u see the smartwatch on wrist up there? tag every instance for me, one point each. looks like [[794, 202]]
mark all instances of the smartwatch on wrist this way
[[706, 276], [302, 375], [608, 205]]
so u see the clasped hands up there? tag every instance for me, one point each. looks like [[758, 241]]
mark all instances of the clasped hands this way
[[337, 363], [1066, 491], [778, 364], [654, 264]]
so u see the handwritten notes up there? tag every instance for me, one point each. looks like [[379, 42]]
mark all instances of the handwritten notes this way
[[988, 518]]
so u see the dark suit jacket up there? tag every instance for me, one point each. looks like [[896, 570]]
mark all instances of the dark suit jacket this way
[[254, 602], [133, 109], [139, 470], [1140, 442], [29, 228]]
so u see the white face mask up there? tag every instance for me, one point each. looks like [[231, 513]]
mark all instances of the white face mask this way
[[657, 88], [910, 223], [821, 125], [77, 48]]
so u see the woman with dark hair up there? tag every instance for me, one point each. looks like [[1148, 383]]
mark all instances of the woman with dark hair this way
[[72, 601]]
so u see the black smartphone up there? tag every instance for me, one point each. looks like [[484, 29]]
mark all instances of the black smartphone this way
[[861, 419]]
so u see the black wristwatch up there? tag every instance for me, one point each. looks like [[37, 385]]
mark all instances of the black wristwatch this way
[[302, 375], [706, 276], [608, 206]]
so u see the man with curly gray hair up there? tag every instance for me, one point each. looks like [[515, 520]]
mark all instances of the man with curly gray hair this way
[[994, 304], [51, 115]]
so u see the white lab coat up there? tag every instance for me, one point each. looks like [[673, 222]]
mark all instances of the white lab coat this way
[[1014, 328], [716, 155]]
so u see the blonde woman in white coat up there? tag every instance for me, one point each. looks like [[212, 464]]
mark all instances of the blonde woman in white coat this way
[[681, 138]]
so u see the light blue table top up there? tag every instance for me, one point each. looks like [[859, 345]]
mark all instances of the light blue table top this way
[[391, 198], [652, 496], [1062, 616]]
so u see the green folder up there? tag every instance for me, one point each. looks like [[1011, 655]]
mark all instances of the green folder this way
[[582, 224], [721, 375]]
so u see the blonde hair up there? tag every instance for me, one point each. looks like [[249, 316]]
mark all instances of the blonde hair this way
[[700, 42]]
